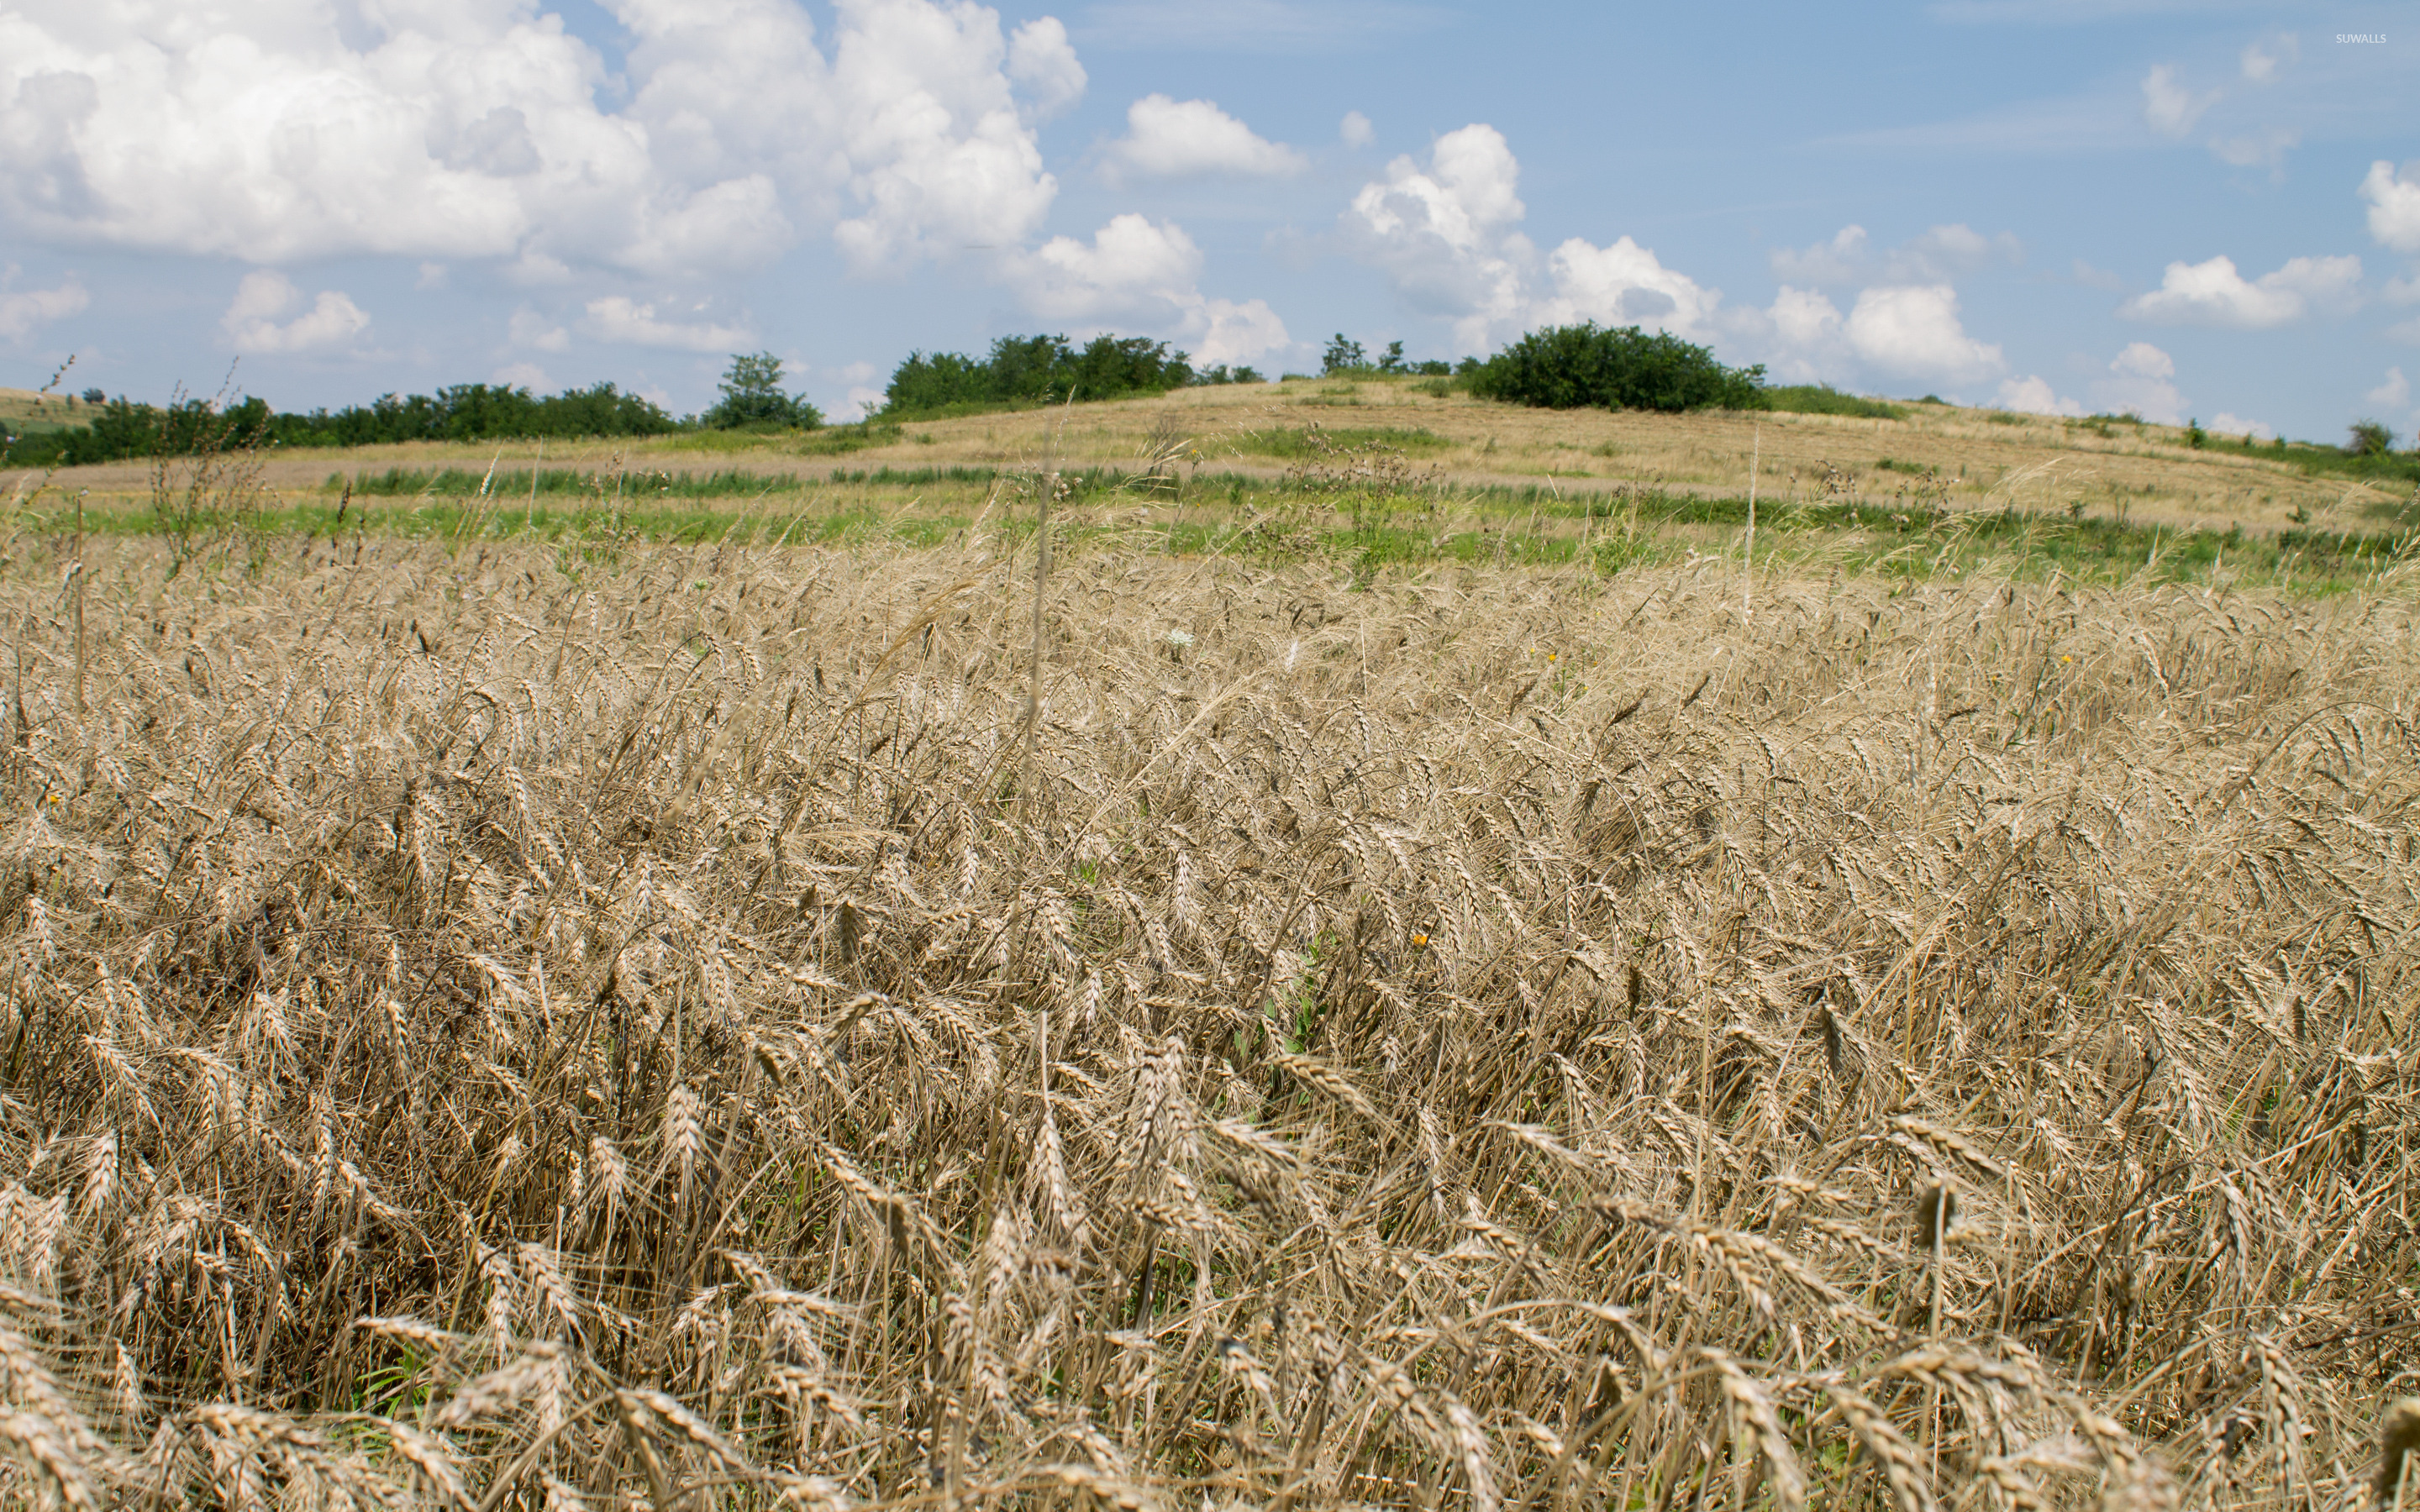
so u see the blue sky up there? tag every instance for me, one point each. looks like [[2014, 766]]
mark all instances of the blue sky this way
[[2205, 211]]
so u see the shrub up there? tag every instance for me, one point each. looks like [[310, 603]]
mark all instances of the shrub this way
[[2367, 437], [1571, 367], [752, 398], [1342, 356]]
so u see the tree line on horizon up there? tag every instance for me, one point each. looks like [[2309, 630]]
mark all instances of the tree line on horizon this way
[[1572, 366]]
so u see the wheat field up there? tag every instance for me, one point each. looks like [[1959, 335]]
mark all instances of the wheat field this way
[[660, 1029]]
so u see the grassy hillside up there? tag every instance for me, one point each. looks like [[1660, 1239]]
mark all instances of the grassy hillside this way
[[1372, 473], [594, 1026], [22, 410]]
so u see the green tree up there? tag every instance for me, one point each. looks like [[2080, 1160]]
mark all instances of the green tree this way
[[1342, 356], [2369, 438], [752, 397], [1392, 360]]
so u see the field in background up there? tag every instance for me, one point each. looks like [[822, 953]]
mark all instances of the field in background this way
[[1373, 472], [589, 1026]]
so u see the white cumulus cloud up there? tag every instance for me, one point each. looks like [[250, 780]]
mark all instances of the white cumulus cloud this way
[[1805, 321], [2035, 396], [2212, 293], [942, 156], [277, 133], [1448, 233], [2168, 107], [2141, 381], [1222, 331], [1623, 285], [22, 310], [1042, 63], [1355, 130], [2394, 205], [618, 319], [1138, 273], [253, 321], [1187, 138], [1130, 264], [1913, 331]]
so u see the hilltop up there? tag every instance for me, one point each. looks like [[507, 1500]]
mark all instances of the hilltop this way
[[1964, 458]]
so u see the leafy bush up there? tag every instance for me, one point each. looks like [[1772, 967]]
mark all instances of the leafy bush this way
[[1823, 399], [1342, 356], [1023, 370], [752, 398], [2368, 438], [1571, 367], [1223, 374]]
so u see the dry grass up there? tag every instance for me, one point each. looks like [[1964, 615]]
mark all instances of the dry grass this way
[[479, 1039]]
